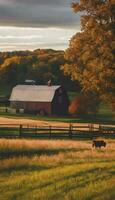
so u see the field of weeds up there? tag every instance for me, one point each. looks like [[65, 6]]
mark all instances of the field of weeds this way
[[56, 170]]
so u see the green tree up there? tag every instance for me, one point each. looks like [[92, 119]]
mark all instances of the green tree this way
[[90, 56]]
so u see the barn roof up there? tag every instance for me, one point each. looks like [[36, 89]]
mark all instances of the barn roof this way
[[33, 93]]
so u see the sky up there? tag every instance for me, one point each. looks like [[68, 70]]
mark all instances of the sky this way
[[33, 24]]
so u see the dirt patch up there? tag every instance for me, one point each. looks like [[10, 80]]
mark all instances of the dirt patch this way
[[15, 121], [4, 120]]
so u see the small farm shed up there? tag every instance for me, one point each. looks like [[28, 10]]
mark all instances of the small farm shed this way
[[51, 100]]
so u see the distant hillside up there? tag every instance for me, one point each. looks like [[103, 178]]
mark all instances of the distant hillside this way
[[39, 65]]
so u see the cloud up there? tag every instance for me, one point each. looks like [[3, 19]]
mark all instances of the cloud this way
[[38, 13], [31, 24], [16, 38], [39, 2]]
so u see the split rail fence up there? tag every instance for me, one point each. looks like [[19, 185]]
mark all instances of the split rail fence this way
[[90, 131]]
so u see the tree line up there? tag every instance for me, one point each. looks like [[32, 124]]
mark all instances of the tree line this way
[[39, 65]]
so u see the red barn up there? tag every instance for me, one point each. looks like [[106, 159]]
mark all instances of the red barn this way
[[51, 100]]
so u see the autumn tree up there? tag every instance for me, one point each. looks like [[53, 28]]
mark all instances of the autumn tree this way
[[90, 56], [13, 70], [8, 70], [39, 65]]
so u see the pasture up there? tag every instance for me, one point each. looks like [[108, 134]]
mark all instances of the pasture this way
[[56, 169]]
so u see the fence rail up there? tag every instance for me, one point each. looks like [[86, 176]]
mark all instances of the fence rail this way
[[83, 131]]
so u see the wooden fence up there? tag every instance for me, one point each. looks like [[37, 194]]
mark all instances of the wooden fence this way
[[31, 131]]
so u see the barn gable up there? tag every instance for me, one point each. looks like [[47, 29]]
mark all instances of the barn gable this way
[[51, 100], [33, 93]]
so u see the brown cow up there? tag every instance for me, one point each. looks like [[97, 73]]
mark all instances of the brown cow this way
[[98, 143]]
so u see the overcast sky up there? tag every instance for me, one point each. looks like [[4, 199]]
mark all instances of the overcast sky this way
[[31, 24]]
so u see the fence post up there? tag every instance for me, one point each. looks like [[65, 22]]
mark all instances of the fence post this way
[[91, 127], [100, 128], [20, 130], [70, 131], [50, 132]]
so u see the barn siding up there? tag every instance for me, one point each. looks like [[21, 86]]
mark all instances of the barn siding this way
[[32, 106]]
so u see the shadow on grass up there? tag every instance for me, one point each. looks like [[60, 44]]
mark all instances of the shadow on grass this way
[[24, 168], [10, 153]]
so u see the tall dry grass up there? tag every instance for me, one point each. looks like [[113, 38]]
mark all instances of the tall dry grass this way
[[56, 169], [33, 144], [24, 153]]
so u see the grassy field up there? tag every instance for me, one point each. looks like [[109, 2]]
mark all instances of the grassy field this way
[[54, 169], [106, 118]]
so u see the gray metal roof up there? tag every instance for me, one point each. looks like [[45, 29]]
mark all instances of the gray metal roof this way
[[33, 93]]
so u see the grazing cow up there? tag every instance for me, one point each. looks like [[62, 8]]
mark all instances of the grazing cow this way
[[98, 143]]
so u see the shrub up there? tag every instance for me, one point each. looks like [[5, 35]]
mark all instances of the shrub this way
[[84, 104]]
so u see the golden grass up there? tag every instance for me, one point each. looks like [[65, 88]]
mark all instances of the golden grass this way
[[42, 144], [51, 152], [56, 169]]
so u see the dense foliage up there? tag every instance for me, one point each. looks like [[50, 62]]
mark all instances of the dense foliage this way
[[39, 65], [91, 53]]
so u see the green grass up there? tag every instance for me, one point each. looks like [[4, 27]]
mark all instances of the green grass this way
[[62, 170], [89, 118]]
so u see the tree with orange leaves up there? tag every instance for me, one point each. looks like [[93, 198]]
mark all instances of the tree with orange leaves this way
[[91, 53]]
